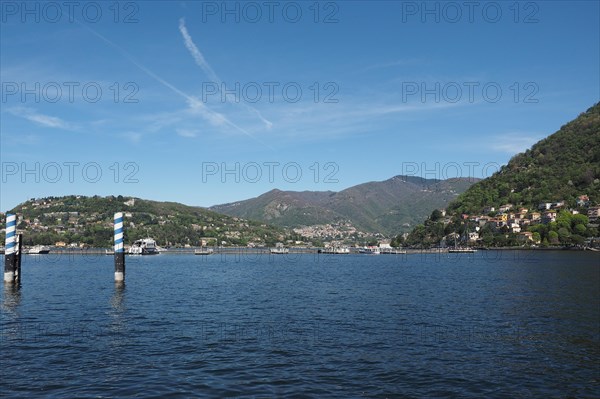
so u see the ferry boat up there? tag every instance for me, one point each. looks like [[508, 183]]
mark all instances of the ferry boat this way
[[145, 246], [335, 250], [369, 250], [38, 250], [204, 251]]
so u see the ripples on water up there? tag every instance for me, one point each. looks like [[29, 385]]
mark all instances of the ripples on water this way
[[490, 324]]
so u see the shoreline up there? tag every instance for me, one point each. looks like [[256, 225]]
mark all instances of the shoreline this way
[[307, 250]]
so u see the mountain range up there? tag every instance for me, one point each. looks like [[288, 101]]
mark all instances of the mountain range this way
[[375, 208], [385, 207]]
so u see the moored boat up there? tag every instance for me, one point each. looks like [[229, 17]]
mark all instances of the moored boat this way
[[279, 249], [145, 246], [39, 250], [369, 250], [335, 250]]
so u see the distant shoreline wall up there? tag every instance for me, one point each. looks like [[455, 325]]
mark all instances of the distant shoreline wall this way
[[309, 250]]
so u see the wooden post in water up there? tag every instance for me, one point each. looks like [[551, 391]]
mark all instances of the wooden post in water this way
[[119, 252], [10, 244], [18, 260]]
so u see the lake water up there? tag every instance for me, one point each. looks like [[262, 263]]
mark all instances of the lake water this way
[[492, 324]]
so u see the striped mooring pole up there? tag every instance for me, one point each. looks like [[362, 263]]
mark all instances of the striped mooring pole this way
[[10, 245], [119, 252]]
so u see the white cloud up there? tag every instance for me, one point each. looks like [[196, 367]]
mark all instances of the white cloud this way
[[514, 142], [198, 57], [214, 118], [347, 118], [194, 104], [187, 133], [41, 119], [202, 63], [22, 139]]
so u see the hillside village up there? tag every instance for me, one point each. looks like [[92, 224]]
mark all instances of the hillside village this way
[[78, 221], [551, 223], [518, 221]]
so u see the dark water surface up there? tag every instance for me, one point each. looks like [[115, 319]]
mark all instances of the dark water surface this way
[[490, 324]]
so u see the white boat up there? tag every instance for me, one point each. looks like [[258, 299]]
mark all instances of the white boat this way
[[335, 250], [369, 250], [38, 250], [145, 246], [204, 251], [279, 251]]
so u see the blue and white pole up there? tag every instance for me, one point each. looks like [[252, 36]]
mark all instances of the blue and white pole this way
[[10, 244], [119, 250]]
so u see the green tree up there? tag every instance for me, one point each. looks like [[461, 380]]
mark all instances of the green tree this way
[[553, 237], [577, 239], [398, 241], [580, 229], [435, 215], [488, 239], [563, 220], [564, 235], [417, 236]]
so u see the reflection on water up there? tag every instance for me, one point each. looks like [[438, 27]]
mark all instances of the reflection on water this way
[[12, 298], [118, 323], [118, 297], [9, 328]]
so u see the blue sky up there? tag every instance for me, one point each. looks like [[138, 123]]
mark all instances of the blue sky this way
[[127, 98]]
